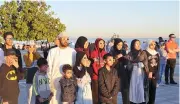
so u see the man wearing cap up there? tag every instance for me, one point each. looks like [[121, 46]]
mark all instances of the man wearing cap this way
[[57, 57], [9, 77], [172, 49]]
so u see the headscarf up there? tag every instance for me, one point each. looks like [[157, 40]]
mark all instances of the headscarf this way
[[79, 73], [79, 46], [133, 50], [152, 52], [115, 50], [80, 42], [97, 44]]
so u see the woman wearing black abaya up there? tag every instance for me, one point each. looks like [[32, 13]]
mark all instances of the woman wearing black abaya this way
[[118, 53]]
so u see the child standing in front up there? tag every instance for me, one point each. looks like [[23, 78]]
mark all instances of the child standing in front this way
[[108, 81], [41, 83], [68, 85]]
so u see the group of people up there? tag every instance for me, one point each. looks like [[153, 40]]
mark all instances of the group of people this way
[[87, 76]]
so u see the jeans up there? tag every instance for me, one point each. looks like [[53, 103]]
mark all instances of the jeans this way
[[161, 72]]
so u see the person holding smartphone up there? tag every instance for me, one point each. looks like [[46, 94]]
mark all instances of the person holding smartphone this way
[[30, 58]]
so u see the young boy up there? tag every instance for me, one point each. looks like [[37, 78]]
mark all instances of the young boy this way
[[9, 77], [68, 85], [108, 81], [41, 83]]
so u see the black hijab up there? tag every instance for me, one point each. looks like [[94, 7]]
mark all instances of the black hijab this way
[[79, 73], [133, 50], [80, 42], [115, 50]]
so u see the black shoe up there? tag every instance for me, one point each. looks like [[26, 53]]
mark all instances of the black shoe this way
[[167, 83], [173, 82]]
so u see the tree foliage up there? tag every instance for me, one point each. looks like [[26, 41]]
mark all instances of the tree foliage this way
[[29, 20]]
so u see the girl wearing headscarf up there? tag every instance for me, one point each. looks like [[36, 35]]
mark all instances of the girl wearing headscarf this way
[[82, 45], [118, 52], [98, 62], [153, 64], [138, 89], [82, 73]]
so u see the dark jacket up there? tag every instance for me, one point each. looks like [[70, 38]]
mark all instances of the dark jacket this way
[[153, 64], [9, 88], [30, 74], [68, 89], [108, 85]]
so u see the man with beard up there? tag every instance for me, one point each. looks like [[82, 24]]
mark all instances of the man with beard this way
[[57, 57]]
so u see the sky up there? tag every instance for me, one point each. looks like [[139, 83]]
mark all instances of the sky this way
[[129, 19]]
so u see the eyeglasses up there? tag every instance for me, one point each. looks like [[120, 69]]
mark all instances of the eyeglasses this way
[[173, 37], [9, 38]]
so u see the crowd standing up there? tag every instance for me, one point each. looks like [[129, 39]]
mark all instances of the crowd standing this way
[[89, 73]]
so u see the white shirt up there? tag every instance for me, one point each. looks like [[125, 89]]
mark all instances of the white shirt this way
[[56, 59]]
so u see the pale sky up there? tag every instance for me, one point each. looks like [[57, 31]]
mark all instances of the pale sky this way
[[140, 19]]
